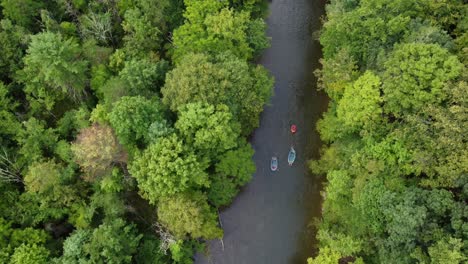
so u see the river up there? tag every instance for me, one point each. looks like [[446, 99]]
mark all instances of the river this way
[[269, 221]]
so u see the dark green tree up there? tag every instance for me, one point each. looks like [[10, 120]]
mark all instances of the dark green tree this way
[[131, 118], [53, 70]]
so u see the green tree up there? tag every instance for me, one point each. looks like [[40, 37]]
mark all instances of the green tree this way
[[113, 242], [13, 41], [24, 13], [258, 8], [369, 29], [149, 251], [256, 36], [131, 118], [22, 245], [213, 29], [189, 214], [447, 251], [73, 250], [326, 256], [36, 141], [142, 37], [210, 129], [360, 107], [168, 167], [336, 74], [72, 122], [9, 124], [53, 68], [415, 76], [46, 186], [405, 220], [30, 254], [42, 177], [238, 164], [437, 139], [225, 80], [144, 77], [234, 169]]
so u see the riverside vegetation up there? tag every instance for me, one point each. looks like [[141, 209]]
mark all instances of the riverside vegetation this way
[[396, 154], [123, 125]]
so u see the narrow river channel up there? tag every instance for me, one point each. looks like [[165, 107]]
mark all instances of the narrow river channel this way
[[269, 222]]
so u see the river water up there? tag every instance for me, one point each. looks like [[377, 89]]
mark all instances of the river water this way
[[270, 220]]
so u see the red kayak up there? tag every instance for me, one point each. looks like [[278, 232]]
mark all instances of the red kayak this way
[[293, 129]]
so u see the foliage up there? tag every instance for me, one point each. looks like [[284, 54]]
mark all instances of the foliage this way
[[189, 214], [226, 80], [23, 13], [65, 74], [71, 122], [131, 118], [113, 242], [447, 251], [234, 170], [326, 256], [35, 140], [81, 87], [360, 106], [209, 129], [213, 29], [143, 77], [42, 177], [258, 8], [9, 124], [168, 167], [149, 251], [396, 158], [30, 254], [12, 43], [424, 70], [95, 149], [142, 37]]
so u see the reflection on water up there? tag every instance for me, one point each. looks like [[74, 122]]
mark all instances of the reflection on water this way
[[269, 222]]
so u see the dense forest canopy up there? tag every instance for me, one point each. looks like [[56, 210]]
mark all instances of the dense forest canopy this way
[[123, 125], [396, 157]]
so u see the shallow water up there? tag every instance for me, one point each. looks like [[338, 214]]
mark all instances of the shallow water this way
[[270, 220]]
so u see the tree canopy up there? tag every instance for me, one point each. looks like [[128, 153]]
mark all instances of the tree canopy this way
[[395, 160], [113, 114], [168, 167], [225, 80]]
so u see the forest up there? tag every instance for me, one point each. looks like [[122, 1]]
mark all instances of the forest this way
[[124, 124], [396, 152]]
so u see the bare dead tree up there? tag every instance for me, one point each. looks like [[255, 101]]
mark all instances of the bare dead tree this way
[[167, 239], [8, 170], [221, 225], [98, 26], [71, 10]]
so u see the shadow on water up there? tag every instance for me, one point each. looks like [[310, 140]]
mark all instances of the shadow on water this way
[[270, 220]]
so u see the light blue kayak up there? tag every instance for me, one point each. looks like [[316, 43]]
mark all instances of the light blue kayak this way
[[274, 163], [291, 156]]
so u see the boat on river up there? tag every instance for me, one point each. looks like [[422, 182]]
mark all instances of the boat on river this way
[[291, 156], [274, 163]]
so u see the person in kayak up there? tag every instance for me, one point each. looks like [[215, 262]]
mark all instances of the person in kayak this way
[[293, 129]]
